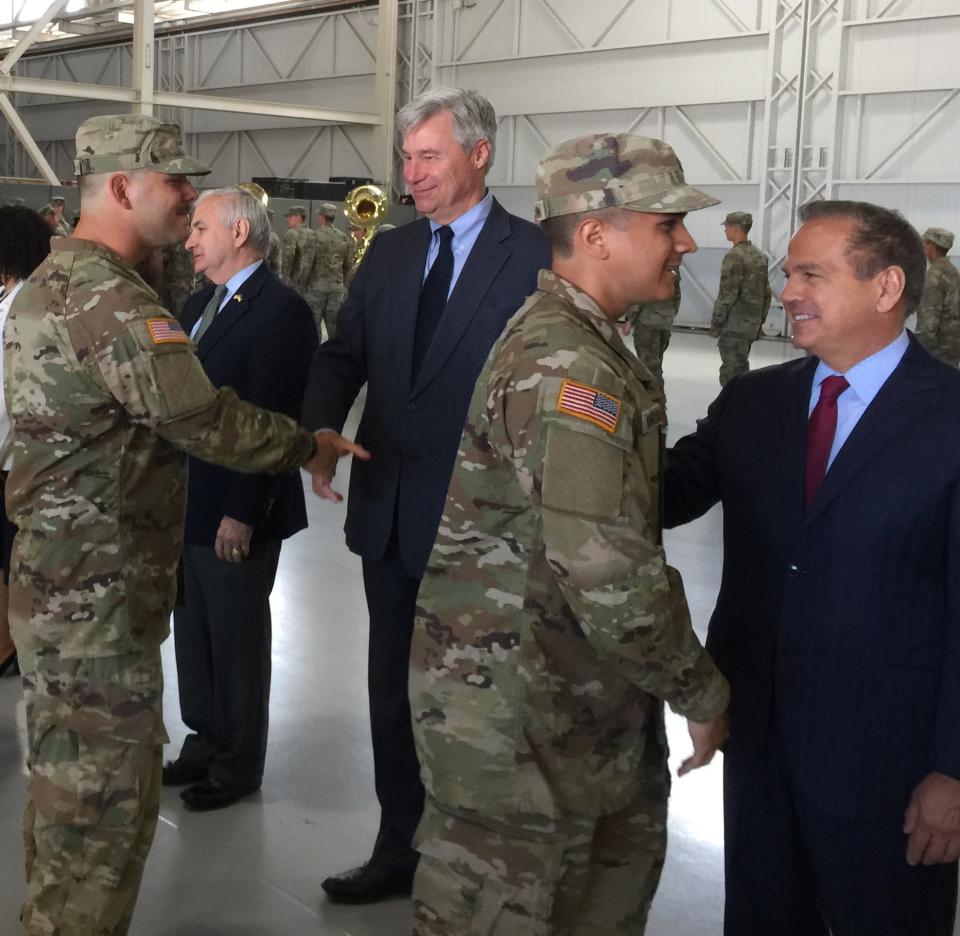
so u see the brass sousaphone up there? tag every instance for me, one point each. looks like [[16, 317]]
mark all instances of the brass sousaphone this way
[[365, 206]]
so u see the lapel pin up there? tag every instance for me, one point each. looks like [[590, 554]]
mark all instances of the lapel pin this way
[[237, 297]]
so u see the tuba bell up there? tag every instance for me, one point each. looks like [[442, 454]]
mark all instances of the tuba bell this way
[[365, 206], [257, 191]]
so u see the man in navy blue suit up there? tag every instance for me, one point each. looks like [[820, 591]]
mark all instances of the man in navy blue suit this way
[[256, 335], [838, 617], [426, 305]]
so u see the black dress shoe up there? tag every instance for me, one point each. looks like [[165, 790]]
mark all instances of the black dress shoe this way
[[10, 666], [210, 794], [368, 884], [179, 773]]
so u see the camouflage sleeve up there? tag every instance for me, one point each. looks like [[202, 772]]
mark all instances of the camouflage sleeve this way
[[601, 548], [931, 309], [288, 254], [767, 298], [634, 313], [150, 368], [731, 275]]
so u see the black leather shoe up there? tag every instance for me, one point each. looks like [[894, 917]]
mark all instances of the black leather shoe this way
[[10, 666], [179, 773], [210, 794], [369, 883]]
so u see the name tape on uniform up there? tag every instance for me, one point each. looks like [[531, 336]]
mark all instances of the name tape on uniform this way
[[589, 403], [166, 331]]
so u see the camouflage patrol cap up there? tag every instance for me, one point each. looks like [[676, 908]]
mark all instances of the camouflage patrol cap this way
[[119, 142], [328, 210], [604, 170], [58, 200], [940, 237], [297, 210], [742, 219]]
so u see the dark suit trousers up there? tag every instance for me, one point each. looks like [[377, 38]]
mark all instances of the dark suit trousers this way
[[222, 637], [391, 601], [794, 870]]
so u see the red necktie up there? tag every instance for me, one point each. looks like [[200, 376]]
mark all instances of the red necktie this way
[[820, 432]]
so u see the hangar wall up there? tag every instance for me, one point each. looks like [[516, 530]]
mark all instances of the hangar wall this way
[[768, 102]]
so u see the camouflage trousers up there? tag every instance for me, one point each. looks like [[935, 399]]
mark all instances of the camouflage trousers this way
[[734, 357], [93, 798], [650, 345], [494, 879], [325, 305]]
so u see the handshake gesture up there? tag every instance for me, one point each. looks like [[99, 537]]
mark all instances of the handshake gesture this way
[[331, 447]]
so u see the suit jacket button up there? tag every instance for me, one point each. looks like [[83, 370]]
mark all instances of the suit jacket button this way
[[411, 407]]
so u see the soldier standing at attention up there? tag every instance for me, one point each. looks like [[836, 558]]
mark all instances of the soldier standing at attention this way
[[334, 258], [938, 318], [106, 397], [651, 322], [298, 251], [549, 628], [743, 299]]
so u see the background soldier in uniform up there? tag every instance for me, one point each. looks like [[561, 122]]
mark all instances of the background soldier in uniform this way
[[651, 322], [298, 251], [57, 203], [333, 260], [743, 299], [178, 281], [549, 627], [106, 395], [938, 318]]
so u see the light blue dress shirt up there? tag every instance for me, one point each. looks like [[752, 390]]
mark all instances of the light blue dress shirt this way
[[865, 379], [466, 230], [233, 285]]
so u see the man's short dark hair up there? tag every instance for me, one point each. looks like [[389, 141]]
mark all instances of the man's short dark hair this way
[[881, 238], [559, 230], [24, 241]]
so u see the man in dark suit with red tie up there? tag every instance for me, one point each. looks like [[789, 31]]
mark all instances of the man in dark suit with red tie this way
[[426, 305], [838, 617], [256, 335]]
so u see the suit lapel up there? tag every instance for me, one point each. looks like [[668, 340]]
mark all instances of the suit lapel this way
[[236, 308], [901, 401], [195, 310], [483, 264], [790, 438]]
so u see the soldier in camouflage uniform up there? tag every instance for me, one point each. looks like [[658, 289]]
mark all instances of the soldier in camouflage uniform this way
[[273, 253], [106, 396], [549, 627], [178, 281], [938, 318], [651, 322], [331, 265], [743, 299], [58, 203], [298, 251]]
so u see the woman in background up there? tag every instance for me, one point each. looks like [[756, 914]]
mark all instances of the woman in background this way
[[24, 242]]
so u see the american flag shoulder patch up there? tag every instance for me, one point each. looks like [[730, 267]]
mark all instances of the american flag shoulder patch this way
[[166, 331], [589, 403]]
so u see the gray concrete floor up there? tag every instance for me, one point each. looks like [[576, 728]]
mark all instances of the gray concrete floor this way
[[255, 869]]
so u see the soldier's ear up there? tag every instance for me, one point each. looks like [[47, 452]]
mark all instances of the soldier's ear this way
[[118, 188]]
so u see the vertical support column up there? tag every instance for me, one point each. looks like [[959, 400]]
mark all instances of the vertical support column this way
[[386, 91], [143, 56]]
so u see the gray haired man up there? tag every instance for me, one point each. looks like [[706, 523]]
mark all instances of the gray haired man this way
[[254, 334], [426, 304]]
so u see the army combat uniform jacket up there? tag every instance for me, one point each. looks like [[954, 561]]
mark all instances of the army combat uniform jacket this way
[[298, 253], [107, 397], [548, 625], [938, 318], [744, 297]]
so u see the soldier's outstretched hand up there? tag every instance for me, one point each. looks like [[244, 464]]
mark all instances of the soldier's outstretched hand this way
[[708, 737], [331, 447]]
